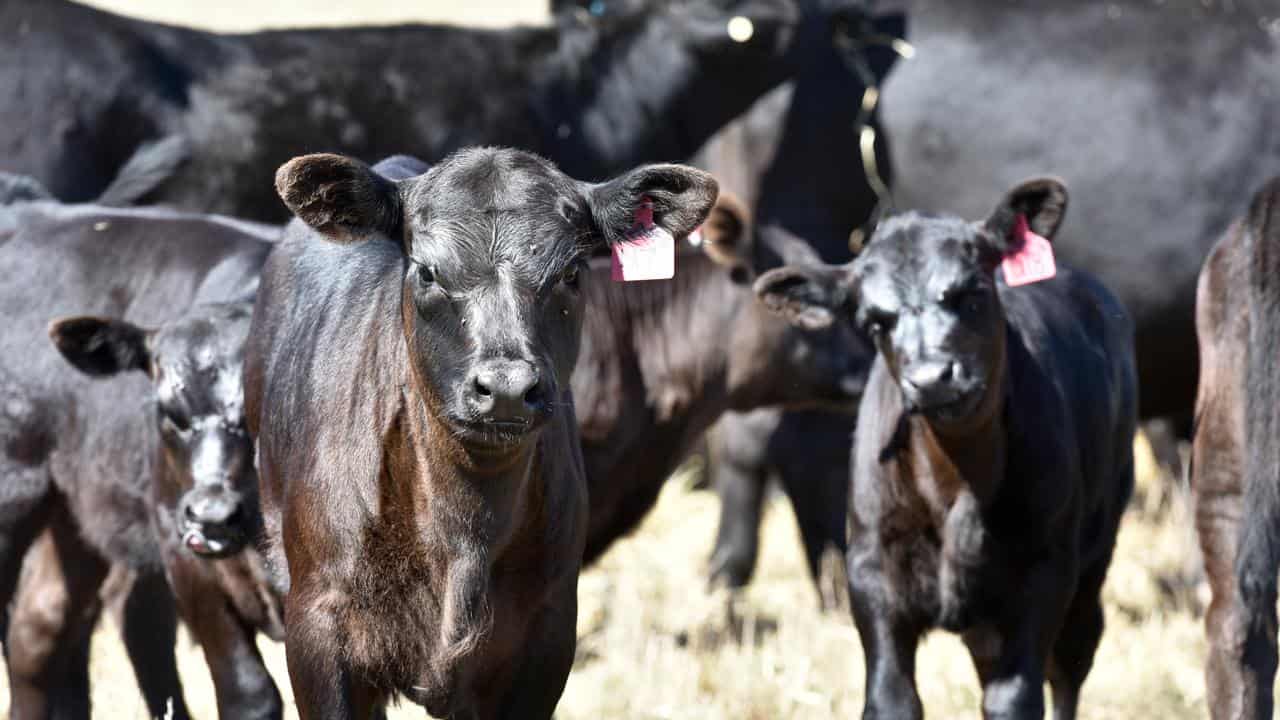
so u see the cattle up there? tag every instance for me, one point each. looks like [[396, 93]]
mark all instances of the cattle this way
[[1113, 97], [150, 470], [407, 381], [596, 95], [661, 361], [993, 454], [1234, 458]]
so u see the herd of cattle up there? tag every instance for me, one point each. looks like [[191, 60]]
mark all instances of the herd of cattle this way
[[391, 431]]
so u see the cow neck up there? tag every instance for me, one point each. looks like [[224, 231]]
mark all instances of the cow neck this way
[[967, 457], [679, 334]]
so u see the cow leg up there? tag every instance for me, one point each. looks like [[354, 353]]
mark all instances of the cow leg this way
[[741, 490], [819, 496], [243, 687], [1077, 642], [51, 621], [324, 687], [148, 623], [548, 659], [888, 638]]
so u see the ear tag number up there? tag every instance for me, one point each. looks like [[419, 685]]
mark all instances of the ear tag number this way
[[1033, 262], [648, 252]]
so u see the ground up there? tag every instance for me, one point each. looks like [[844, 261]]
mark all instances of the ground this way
[[655, 643]]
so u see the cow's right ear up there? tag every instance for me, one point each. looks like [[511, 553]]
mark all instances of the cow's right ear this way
[[681, 198], [101, 346], [340, 197], [808, 296]]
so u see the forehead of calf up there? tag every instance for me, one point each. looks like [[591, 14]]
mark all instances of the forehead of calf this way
[[494, 215], [917, 260], [196, 362]]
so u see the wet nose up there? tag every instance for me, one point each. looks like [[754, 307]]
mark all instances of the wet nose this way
[[507, 390], [211, 507], [929, 380]]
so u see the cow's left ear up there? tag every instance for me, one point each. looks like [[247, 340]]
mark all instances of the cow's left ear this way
[[810, 296], [682, 197], [1042, 201], [101, 346]]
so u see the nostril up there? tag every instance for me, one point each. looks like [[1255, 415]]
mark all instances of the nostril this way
[[948, 372], [482, 389], [189, 512], [534, 395], [233, 518]]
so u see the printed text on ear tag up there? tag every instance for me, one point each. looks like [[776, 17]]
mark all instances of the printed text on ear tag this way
[[648, 251], [1033, 262]]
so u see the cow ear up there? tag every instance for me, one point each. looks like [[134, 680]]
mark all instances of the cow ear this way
[[682, 197], [808, 296], [1042, 201], [724, 232], [101, 346], [340, 197]]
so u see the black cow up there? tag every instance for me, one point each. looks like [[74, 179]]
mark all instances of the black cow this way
[[661, 361], [408, 383], [1161, 115], [993, 455], [598, 96], [1236, 456], [97, 469]]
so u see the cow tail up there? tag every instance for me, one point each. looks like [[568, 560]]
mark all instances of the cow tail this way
[[150, 166], [1258, 556]]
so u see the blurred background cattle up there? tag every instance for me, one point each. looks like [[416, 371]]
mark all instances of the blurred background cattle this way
[[1161, 117]]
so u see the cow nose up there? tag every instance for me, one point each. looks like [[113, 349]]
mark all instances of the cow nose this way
[[509, 390], [211, 507], [928, 379]]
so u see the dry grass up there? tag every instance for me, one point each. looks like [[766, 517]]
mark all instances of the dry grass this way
[[655, 643]]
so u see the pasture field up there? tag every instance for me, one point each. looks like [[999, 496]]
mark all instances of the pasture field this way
[[655, 643]]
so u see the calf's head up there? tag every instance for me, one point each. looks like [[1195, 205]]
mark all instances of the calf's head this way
[[494, 245], [207, 485], [772, 361], [924, 292]]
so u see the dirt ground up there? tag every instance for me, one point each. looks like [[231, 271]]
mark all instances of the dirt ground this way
[[655, 643]]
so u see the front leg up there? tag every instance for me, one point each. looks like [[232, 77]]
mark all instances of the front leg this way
[[242, 685], [548, 657], [324, 685], [889, 636], [1011, 652]]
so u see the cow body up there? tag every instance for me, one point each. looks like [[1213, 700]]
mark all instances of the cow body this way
[[992, 459], [1234, 463], [663, 361], [596, 96], [408, 383], [86, 466]]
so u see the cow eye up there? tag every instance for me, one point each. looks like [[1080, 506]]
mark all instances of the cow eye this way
[[174, 424], [570, 276], [426, 274]]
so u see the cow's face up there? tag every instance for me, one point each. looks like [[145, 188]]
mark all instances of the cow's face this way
[[924, 292], [495, 243], [210, 484]]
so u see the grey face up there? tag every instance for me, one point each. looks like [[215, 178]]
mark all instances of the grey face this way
[[208, 478], [495, 241], [926, 296], [925, 292]]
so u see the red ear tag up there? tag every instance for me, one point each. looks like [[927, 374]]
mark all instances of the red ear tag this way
[[648, 252], [1033, 262]]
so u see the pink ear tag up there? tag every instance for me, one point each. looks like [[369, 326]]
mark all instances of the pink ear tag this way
[[1033, 263], [648, 252]]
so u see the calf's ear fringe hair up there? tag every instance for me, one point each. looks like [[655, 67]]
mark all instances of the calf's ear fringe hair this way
[[340, 197]]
